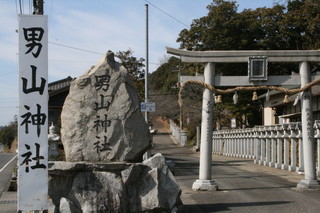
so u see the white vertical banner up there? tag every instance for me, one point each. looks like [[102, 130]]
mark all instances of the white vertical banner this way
[[33, 113]]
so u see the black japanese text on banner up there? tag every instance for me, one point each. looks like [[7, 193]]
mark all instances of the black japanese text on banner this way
[[33, 113]]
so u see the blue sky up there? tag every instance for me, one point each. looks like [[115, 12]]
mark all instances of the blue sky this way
[[96, 26]]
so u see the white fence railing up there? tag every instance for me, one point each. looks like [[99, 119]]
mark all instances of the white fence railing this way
[[179, 135], [278, 146]]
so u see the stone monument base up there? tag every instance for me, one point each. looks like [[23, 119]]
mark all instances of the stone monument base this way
[[205, 185], [113, 186]]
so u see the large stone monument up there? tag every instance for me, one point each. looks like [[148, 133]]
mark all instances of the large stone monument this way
[[101, 118], [104, 137]]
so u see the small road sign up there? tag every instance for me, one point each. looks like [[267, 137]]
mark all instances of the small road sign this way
[[148, 106]]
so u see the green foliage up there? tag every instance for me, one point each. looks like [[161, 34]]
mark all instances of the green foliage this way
[[296, 26], [8, 133], [293, 26], [135, 69], [164, 79]]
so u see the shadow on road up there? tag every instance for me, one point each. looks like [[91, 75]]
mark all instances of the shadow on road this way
[[226, 206]]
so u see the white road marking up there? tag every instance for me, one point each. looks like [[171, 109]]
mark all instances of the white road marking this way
[[7, 163]]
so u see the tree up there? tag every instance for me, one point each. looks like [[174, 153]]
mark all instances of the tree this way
[[293, 26], [164, 79], [302, 24], [296, 26], [214, 31], [135, 69], [9, 133]]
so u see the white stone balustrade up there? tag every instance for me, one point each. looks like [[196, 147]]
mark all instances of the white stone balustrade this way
[[278, 146], [180, 136]]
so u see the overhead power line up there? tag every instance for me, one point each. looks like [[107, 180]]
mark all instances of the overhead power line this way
[[75, 48], [167, 13], [10, 107], [72, 61]]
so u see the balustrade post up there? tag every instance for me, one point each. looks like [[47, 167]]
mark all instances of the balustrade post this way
[[216, 145], [225, 141], [273, 146], [236, 148], [233, 154], [293, 137], [300, 147], [227, 147], [279, 147], [198, 138], [247, 141], [257, 145], [231, 144], [238, 144], [216, 142], [213, 142], [263, 146], [285, 137], [317, 136], [222, 144], [242, 143], [267, 136], [252, 143]]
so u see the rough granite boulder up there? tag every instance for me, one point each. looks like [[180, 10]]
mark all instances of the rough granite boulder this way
[[113, 187], [101, 118]]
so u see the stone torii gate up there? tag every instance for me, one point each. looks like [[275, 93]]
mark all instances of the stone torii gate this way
[[254, 78]]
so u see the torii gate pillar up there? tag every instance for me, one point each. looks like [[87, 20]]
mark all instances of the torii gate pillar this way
[[204, 182], [310, 180]]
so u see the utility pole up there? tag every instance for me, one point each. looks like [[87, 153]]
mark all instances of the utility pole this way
[[147, 63], [178, 69], [38, 7], [148, 153]]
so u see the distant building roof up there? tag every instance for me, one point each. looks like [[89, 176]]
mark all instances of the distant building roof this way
[[314, 90], [274, 92], [59, 86]]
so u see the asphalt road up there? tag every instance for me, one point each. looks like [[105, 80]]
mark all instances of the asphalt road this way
[[243, 186], [6, 169]]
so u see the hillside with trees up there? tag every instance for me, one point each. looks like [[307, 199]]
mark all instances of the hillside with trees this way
[[294, 25]]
